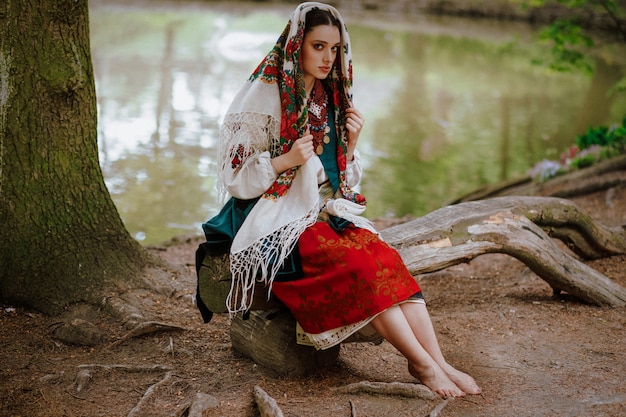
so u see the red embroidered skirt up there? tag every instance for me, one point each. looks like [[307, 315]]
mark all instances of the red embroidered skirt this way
[[348, 276]]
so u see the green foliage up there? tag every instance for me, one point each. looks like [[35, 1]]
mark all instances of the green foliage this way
[[593, 154], [612, 137], [572, 45], [597, 144], [569, 46], [619, 87], [594, 136], [584, 161]]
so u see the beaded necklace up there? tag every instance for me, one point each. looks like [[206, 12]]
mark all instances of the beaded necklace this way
[[318, 117]]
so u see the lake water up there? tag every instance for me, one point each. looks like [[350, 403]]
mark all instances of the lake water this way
[[451, 104]]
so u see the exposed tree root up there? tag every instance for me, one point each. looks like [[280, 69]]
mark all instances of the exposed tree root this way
[[78, 332], [82, 379], [145, 328], [435, 411], [198, 406], [390, 388], [84, 376], [266, 404], [269, 408], [128, 368], [128, 314], [135, 411]]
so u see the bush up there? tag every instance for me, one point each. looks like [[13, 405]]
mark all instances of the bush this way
[[614, 137], [596, 144]]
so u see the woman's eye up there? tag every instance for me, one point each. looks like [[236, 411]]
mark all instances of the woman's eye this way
[[335, 48], [318, 46]]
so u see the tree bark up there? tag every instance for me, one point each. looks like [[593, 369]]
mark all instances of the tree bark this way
[[62, 237]]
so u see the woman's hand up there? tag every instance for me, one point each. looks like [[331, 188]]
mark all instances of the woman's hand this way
[[354, 124], [300, 152]]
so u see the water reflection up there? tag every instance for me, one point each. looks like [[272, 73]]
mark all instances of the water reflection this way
[[450, 106]]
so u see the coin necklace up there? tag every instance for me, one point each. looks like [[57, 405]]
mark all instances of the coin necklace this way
[[318, 117]]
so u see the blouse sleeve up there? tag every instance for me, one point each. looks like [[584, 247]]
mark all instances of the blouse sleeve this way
[[250, 179], [354, 170]]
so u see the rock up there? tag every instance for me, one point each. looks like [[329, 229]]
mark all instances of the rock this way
[[201, 403], [79, 332]]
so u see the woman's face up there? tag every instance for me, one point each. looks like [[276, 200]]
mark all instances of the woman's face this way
[[319, 50]]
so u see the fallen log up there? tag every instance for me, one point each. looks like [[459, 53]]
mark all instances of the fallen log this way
[[459, 233]]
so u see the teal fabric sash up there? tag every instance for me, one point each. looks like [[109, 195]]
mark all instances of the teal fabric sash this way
[[221, 229]]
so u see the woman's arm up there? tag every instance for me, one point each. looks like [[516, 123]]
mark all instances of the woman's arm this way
[[299, 153], [354, 124], [354, 170], [250, 176]]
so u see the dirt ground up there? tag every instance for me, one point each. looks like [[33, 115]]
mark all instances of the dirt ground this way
[[533, 354]]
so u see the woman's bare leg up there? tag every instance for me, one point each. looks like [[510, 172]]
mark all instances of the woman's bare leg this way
[[419, 320], [394, 327]]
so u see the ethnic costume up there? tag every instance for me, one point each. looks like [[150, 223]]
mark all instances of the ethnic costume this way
[[306, 219]]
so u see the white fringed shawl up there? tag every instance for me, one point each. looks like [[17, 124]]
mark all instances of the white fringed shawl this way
[[271, 230]]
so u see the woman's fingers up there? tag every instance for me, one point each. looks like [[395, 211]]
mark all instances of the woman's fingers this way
[[303, 148], [354, 119]]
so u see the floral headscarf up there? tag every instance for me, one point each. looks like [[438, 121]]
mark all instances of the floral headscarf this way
[[283, 65]]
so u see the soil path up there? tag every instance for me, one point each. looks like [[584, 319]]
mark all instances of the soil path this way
[[534, 355]]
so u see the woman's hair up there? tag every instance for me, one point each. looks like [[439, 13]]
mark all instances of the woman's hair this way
[[319, 17]]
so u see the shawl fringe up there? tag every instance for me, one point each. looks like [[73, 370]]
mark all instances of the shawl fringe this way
[[261, 261]]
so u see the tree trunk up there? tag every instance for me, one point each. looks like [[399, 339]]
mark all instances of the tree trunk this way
[[62, 237]]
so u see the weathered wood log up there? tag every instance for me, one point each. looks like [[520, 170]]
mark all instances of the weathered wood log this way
[[269, 338], [459, 233], [214, 282], [214, 285], [517, 226]]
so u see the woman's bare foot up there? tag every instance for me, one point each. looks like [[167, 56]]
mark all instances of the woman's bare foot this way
[[462, 380], [436, 379]]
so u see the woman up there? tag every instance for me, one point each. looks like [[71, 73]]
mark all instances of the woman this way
[[288, 157]]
